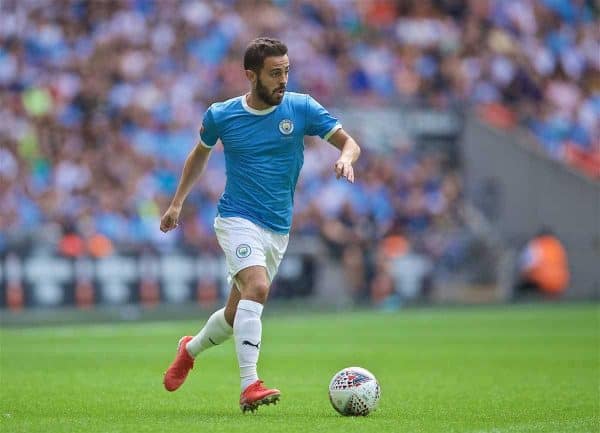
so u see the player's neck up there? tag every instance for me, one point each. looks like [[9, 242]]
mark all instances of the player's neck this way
[[255, 102]]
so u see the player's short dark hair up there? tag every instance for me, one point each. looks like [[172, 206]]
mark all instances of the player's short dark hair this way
[[261, 48]]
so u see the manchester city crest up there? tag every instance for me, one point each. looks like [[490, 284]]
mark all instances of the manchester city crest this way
[[286, 126], [243, 251]]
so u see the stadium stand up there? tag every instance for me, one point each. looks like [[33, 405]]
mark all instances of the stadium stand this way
[[101, 101]]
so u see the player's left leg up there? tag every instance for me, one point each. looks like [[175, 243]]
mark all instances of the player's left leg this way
[[247, 327], [253, 255]]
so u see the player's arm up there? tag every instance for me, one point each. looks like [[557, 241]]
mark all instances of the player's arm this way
[[192, 169], [350, 153], [320, 122]]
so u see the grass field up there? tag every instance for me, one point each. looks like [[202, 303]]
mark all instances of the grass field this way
[[501, 369]]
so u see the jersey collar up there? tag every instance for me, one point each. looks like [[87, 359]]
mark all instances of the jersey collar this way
[[251, 110]]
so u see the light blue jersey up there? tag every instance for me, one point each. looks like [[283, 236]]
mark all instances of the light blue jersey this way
[[264, 152]]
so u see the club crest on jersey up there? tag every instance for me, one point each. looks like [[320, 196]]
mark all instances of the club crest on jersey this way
[[243, 251], [286, 126]]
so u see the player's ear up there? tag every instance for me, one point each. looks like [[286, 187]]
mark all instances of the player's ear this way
[[251, 76]]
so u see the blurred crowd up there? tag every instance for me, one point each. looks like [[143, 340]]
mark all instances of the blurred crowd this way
[[101, 101]]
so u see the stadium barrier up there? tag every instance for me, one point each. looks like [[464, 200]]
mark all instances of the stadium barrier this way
[[520, 190], [50, 280]]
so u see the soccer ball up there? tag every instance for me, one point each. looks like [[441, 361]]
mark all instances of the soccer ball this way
[[354, 391]]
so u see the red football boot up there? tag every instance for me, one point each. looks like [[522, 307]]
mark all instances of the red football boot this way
[[180, 367], [256, 394]]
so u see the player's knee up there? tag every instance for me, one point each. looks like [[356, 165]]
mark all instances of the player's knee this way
[[229, 313], [257, 292]]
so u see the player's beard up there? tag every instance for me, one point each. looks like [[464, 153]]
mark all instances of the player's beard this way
[[268, 97]]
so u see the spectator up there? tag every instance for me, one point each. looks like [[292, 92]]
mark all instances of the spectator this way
[[543, 266]]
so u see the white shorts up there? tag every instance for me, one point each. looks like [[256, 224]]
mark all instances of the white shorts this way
[[247, 244]]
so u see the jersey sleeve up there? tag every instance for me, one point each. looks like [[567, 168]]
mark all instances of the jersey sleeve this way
[[208, 131], [319, 121]]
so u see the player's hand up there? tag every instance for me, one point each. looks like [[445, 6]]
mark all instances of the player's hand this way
[[170, 219], [344, 169]]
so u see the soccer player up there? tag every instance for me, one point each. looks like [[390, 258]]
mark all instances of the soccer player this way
[[263, 138]]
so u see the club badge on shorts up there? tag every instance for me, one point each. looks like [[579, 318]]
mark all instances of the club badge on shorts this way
[[243, 251], [286, 126]]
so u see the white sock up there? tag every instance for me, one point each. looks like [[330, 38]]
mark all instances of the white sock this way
[[216, 331], [247, 330]]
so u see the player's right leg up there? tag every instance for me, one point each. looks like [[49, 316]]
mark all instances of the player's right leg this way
[[217, 329]]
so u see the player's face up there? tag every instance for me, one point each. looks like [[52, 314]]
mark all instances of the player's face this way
[[272, 80]]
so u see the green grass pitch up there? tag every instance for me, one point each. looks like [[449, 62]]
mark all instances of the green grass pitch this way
[[494, 369]]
